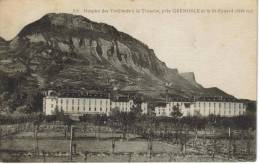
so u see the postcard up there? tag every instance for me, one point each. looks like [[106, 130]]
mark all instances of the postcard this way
[[128, 81]]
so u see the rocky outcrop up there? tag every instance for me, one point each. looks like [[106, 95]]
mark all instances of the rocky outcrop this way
[[64, 49], [190, 76]]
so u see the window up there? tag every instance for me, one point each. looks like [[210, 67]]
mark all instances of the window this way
[[214, 105], [72, 107], [78, 108], [72, 101], [89, 109], [52, 105], [100, 109], [67, 101], [95, 109], [219, 105]]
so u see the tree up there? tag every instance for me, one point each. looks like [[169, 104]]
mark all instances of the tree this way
[[124, 119], [176, 112], [176, 115]]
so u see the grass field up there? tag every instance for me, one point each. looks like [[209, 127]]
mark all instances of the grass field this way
[[57, 148]]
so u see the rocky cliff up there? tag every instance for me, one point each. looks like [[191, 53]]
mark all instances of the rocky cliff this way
[[71, 50]]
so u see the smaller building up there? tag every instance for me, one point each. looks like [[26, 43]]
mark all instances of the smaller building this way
[[161, 109], [123, 103], [203, 108], [144, 107]]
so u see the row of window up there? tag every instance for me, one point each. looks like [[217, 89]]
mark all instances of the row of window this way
[[189, 113], [162, 110], [73, 101], [240, 105], [95, 102], [89, 109], [229, 111], [219, 105], [84, 108]]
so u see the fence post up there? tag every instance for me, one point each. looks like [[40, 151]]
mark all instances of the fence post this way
[[150, 146], [196, 137], [71, 140], [43, 154], [37, 145], [130, 157], [241, 141], [0, 136], [234, 149], [248, 143], [65, 132], [86, 157], [229, 147], [204, 137], [36, 148], [214, 144], [185, 142]]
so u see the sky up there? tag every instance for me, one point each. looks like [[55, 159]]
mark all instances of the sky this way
[[220, 47]]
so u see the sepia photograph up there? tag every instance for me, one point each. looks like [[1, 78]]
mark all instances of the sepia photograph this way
[[128, 81]]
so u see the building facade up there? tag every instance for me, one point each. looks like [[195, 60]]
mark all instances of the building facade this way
[[88, 105], [203, 108]]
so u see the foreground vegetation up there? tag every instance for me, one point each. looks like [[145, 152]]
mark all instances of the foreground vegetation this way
[[125, 136]]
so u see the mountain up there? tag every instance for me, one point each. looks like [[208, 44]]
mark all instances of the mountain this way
[[190, 76], [3, 46], [61, 50]]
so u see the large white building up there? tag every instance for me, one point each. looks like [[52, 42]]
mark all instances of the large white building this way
[[202, 108], [90, 104], [75, 106]]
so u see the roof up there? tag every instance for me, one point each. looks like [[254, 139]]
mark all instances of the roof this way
[[160, 104], [205, 99], [84, 95], [120, 99]]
